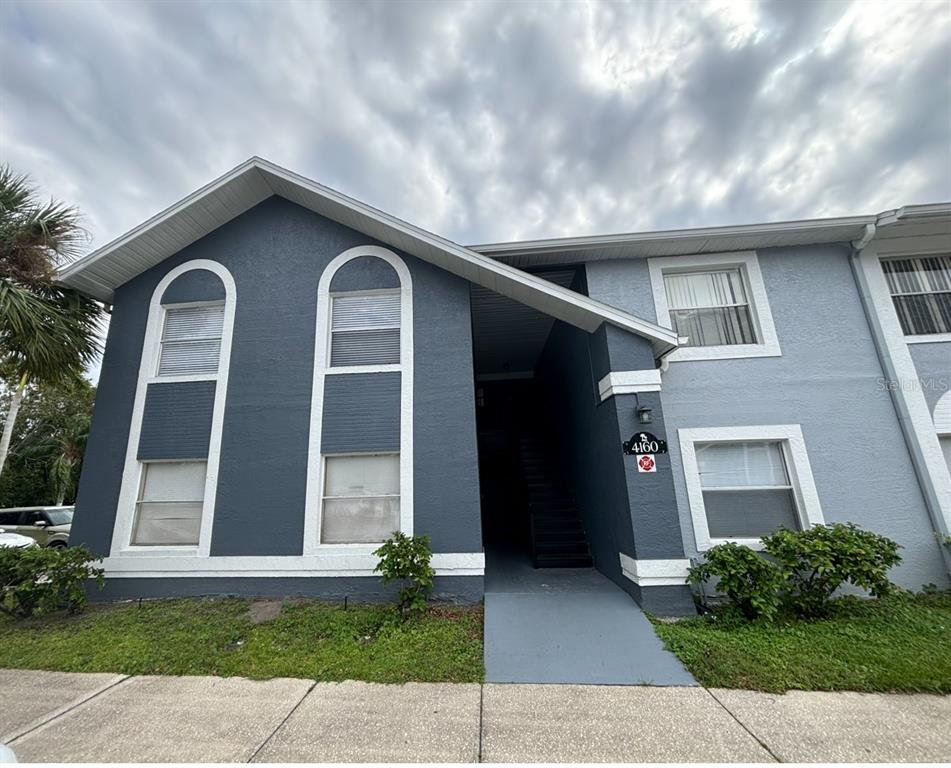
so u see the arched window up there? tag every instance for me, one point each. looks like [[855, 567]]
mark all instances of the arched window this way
[[169, 480], [359, 480]]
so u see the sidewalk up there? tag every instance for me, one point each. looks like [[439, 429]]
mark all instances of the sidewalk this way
[[66, 717]]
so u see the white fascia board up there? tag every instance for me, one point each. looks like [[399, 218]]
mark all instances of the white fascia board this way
[[554, 300], [847, 225]]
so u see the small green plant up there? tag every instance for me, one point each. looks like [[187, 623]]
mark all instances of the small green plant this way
[[819, 560], [406, 559], [35, 580], [751, 582]]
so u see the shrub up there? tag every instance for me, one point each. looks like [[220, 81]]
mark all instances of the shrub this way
[[406, 559], [752, 583], [819, 560], [38, 580]]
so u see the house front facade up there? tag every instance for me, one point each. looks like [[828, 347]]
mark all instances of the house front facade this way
[[291, 375]]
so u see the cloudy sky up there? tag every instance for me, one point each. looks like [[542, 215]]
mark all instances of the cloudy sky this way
[[483, 121]]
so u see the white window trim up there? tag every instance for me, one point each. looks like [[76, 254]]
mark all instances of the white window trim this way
[[797, 465], [760, 313], [128, 494], [313, 505]]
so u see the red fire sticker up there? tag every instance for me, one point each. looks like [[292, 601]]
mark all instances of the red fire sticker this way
[[646, 463]]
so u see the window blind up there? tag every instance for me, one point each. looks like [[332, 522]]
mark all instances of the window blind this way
[[710, 308], [747, 492], [365, 329], [191, 340], [921, 292], [361, 499], [168, 511]]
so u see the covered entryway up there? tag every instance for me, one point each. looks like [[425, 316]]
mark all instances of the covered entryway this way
[[568, 626], [550, 615]]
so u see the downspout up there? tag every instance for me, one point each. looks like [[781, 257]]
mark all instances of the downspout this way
[[909, 434]]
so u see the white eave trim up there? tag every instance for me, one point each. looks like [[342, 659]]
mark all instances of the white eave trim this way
[[844, 226], [554, 300]]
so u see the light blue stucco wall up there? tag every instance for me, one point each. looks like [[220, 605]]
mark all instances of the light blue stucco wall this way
[[828, 380], [933, 365]]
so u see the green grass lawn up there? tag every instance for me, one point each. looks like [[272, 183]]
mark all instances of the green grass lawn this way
[[902, 643], [216, 637]]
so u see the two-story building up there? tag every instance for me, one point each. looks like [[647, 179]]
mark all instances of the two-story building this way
[[290, 375]]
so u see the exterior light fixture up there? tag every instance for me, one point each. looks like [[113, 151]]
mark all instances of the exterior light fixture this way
[[642, 411]]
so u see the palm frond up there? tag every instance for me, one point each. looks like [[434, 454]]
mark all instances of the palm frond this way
[[50, 334]]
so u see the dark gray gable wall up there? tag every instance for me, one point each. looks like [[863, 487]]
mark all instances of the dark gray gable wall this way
[[276, 253]]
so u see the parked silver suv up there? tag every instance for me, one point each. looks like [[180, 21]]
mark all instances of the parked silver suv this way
[[48, 526]]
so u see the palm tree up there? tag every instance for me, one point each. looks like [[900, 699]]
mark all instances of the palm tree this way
[[48, 333]]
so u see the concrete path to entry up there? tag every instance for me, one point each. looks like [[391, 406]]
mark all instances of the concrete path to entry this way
[[55, 717], [568, 625]]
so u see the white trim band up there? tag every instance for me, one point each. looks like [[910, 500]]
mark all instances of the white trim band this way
[[629, 382], [655, 573], [335, 565]]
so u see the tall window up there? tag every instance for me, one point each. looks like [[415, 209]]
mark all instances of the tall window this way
[[365, 329], [747, 491], [921, 291], [710, 307], [191, 340], [361, 498], [169, 504]]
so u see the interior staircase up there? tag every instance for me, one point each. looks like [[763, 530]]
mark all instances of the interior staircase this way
[[557, 535]]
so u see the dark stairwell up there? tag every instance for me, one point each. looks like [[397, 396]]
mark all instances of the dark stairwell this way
[[556, 535]]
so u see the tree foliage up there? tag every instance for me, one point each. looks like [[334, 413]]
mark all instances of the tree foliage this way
[[35, 580], [48, 442]]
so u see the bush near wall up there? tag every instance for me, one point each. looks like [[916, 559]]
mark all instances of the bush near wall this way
[[800, 570]]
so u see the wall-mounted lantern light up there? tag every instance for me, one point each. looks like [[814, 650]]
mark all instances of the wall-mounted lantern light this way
[[642, 411]]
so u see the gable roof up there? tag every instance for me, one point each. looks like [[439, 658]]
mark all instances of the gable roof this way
[[100, 272]]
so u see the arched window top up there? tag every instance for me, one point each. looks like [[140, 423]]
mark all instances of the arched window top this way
[[364, 273], [190, 319], [197, 284], [942, 415], [365, 308]]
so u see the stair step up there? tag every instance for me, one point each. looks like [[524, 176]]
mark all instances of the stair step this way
[[563, 561]]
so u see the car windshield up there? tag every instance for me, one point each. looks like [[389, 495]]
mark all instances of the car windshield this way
[[60, 516]]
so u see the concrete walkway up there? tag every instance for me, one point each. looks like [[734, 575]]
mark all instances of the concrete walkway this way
[[568, 625], [66, 717]]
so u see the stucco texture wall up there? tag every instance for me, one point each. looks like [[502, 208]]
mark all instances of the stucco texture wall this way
[[276, 253], [828, 380]]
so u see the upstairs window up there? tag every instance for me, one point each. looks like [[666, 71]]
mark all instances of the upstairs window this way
[[365, 329], [921, 291], [191, 340], [710, 308]]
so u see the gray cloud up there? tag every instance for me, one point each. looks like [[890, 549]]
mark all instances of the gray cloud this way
[[486, 121]]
